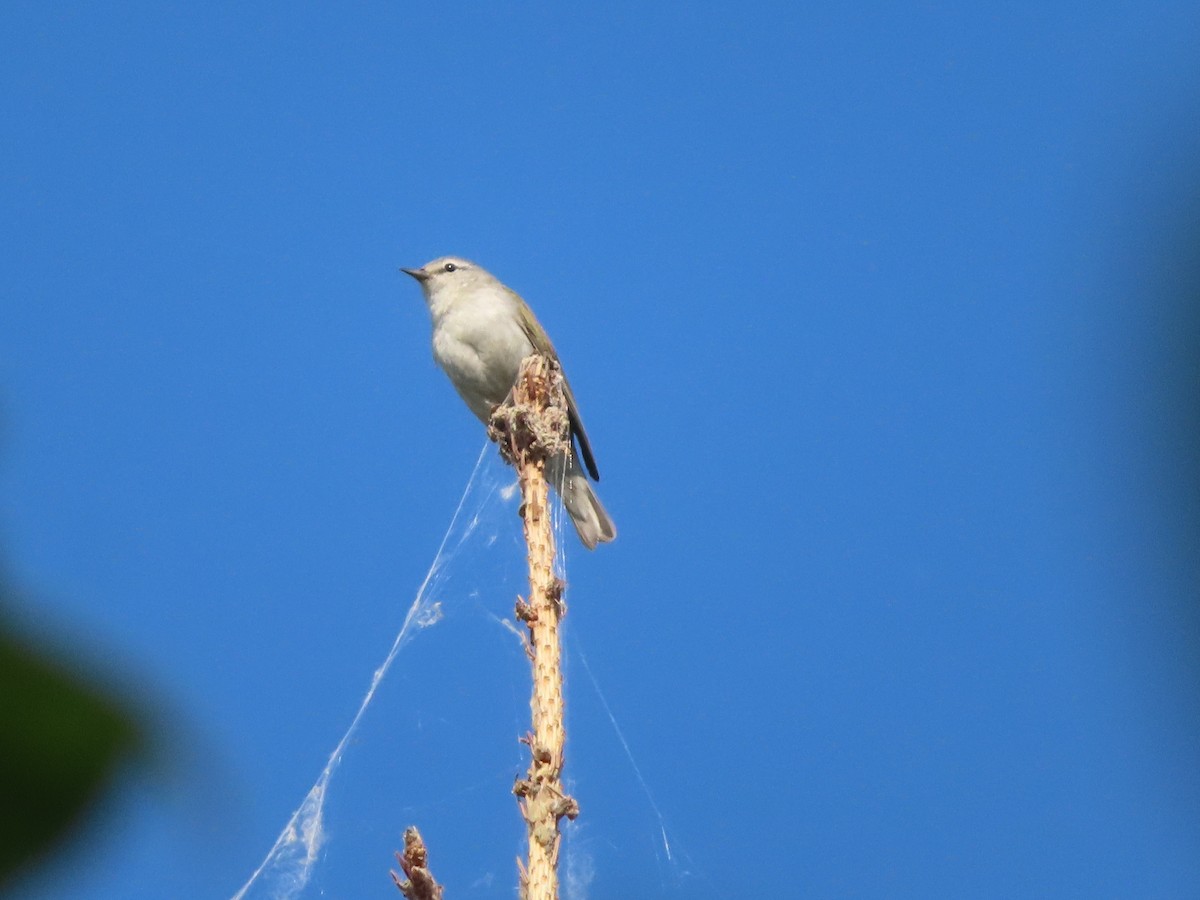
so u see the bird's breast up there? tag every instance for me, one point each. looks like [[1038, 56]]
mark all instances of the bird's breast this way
[[480, 346]]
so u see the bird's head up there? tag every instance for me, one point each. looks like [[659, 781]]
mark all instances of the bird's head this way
[[448, 277]]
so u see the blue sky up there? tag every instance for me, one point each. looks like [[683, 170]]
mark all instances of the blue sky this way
[[882, 320]]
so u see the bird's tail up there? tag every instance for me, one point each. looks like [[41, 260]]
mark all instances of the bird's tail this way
[[582, 504]]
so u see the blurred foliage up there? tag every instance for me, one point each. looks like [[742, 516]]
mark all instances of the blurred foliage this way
[[62, 741], [1171, 417]]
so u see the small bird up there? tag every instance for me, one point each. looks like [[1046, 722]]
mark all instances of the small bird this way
[[482, 331]]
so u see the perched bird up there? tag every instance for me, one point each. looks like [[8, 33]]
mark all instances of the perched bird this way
[[482, 331]]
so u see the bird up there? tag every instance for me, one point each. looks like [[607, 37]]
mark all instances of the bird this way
[[482, 330]]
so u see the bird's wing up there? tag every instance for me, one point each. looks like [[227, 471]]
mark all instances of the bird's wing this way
[[541, 343]]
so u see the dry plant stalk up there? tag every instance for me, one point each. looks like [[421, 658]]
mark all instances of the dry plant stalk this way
[[529, 428], [419, 883]]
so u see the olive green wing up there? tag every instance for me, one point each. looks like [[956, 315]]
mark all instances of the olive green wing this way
[[541, 343]]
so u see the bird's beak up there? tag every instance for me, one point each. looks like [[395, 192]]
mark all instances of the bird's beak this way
[[418, 274]]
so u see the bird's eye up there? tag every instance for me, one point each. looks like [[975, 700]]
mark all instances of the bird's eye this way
[[450, 267]]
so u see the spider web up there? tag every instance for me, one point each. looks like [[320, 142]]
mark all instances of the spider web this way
[[435, 745]]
